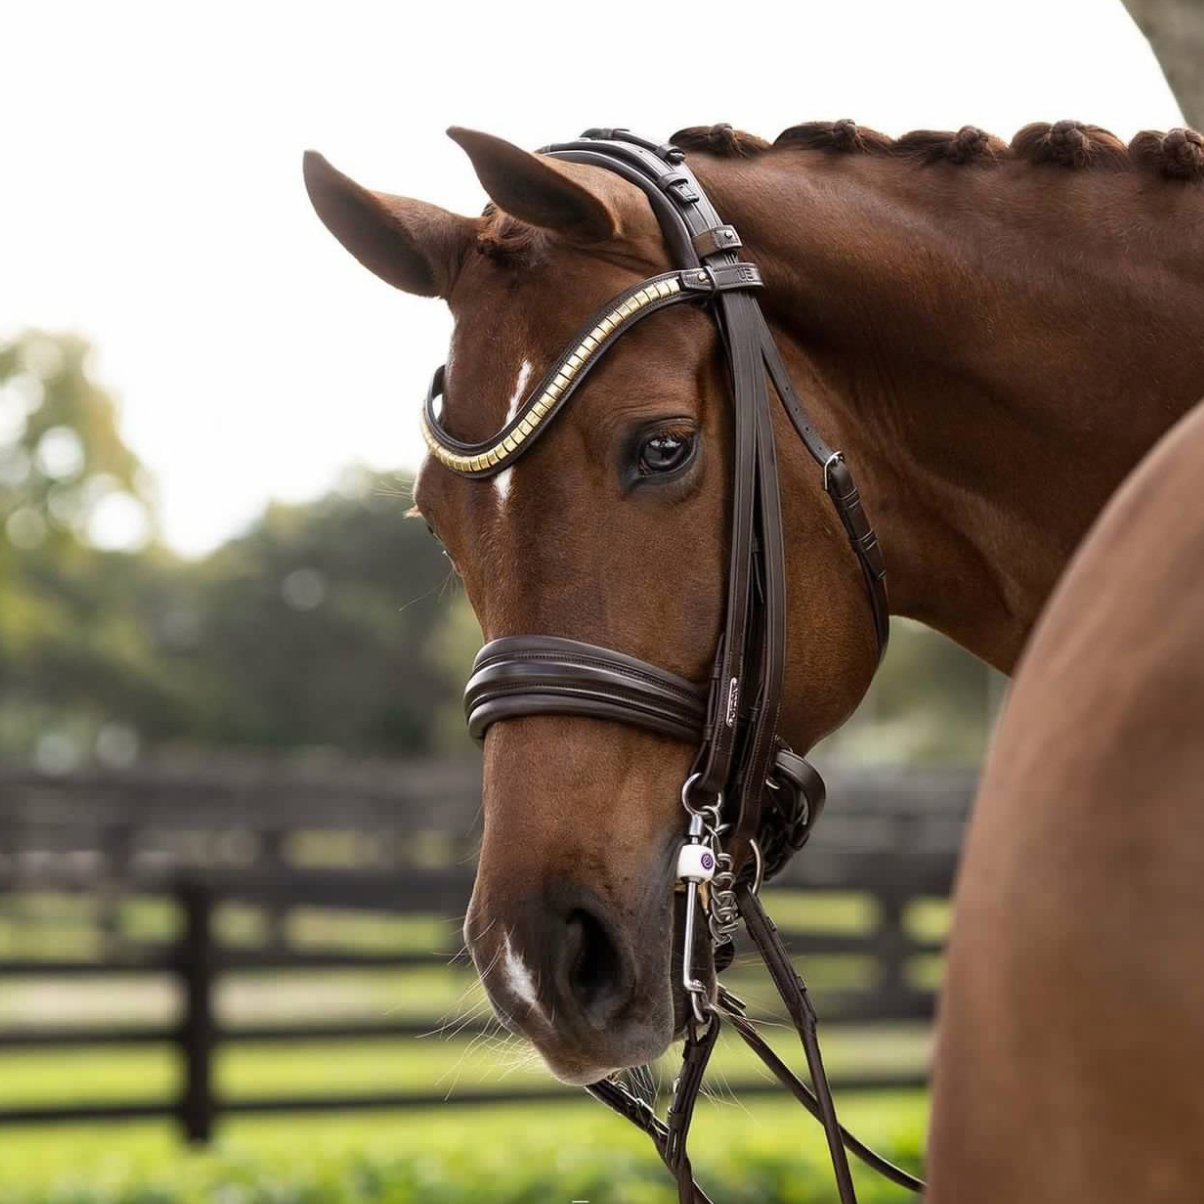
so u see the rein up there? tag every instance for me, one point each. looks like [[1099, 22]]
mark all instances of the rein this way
[[751, 801]]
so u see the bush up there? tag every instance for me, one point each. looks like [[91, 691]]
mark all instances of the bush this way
[[761, 1166]]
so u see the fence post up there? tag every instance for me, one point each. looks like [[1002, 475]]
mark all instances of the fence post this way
[[892, 945], [274, 909], [198, 1031]]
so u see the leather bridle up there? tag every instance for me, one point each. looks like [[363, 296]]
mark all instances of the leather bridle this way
[[751, 801]]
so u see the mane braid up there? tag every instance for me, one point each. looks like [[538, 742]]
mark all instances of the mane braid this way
[[720, 140], [967, 145], [844, 136], [1177, 155], [1070, 144]]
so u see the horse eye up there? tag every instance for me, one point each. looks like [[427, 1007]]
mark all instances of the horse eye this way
[[664, 453], [443, 550]]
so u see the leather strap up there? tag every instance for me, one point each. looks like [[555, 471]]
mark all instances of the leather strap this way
[[696, 1055], [793, 993], [839, 486], [549, 675], [805, 1096], [670, 1139], [533, 675], [638, 1112]]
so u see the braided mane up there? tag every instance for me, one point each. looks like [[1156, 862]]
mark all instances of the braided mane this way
[[1178, 154]]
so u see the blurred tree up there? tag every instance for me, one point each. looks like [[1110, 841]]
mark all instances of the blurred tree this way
[[931, 702], [316, 628], [73, 666], [65, 475], [1175, 29]]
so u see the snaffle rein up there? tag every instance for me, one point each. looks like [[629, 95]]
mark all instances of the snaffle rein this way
[[751, 801]]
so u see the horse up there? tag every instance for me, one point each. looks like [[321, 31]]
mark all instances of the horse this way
[[1072, 1031], [994, 334]]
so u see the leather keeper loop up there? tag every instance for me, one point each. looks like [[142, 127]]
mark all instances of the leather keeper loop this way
[[723, 278], [716, 240]]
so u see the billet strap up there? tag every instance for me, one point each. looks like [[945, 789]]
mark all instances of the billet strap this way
[[838, 485]]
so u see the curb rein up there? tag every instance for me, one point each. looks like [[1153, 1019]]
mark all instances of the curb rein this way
[[747, 790]]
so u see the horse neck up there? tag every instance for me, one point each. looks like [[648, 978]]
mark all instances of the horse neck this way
[[993, 347]]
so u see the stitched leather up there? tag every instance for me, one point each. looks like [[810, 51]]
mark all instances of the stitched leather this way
[[530, 675]]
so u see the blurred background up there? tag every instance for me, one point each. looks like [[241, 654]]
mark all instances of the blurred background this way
[[238, 809]]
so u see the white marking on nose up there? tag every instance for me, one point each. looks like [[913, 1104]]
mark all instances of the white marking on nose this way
[[518, 977], [502, 481]]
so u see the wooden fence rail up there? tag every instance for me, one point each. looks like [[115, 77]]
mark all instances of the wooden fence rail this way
[[197, 961], [890, 837]]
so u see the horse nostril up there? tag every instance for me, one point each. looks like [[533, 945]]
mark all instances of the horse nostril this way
[[596, 974]]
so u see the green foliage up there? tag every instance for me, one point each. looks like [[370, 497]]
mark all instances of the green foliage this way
[[73, 655], [535, 1154], [63, 465], [320, 626], [316, 628], [930, 703], [334, 624]]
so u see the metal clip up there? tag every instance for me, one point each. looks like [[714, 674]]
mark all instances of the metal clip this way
[[832, 459]]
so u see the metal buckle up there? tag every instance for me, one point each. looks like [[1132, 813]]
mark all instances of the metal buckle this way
[[832, 459], [759, 877]]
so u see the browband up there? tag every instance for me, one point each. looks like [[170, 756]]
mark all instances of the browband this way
[[591, 342]]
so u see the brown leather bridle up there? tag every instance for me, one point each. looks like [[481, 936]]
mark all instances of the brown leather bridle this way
[[751, 801]]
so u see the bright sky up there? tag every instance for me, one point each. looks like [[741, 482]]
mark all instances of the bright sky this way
[[151, 195]]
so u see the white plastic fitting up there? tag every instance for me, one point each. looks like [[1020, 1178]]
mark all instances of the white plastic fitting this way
[[695, 863]]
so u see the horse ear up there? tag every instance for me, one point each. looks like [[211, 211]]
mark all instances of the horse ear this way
[[411, 245], [536, 189]]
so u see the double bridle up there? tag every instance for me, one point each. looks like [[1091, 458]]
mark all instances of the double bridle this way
[[751, 802]]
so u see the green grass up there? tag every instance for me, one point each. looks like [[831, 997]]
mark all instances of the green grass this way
[[433, 1066], [769, 1152]]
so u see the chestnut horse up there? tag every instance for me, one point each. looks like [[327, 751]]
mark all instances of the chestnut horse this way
[[1072, 1033], [994, 334]]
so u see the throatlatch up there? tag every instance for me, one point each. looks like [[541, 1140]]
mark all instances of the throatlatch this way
[[750, 801]]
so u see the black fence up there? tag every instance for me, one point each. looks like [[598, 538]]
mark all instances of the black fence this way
[[887, 837]]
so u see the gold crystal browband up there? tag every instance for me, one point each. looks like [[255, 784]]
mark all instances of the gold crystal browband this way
[[587, 347]]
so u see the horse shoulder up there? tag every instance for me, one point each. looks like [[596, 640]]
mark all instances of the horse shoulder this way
[[1072, 1023]]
